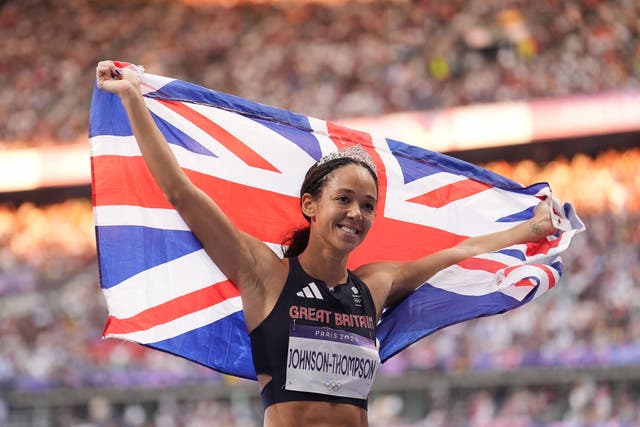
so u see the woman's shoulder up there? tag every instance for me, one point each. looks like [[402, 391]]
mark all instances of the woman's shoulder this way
[[374, 271], [377, 277]]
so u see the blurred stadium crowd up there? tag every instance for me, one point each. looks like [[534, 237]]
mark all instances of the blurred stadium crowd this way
[[350, 59], [52, 315]]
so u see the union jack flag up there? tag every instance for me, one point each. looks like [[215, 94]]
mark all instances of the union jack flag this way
[[164, 292]]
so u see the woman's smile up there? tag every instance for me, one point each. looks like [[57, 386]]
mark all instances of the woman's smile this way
[[349, 230]]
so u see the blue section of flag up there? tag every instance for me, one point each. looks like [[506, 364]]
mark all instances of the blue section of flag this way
[[417, 162], [518, 216], [424, 163], [126, 250], [557, 266], [175, 136], [301, 137], [179, 90], [412, 168], [107, 115], [430, 309], [515, 253], [223, 344]]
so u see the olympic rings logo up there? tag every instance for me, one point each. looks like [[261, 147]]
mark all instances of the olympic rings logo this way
[[332, 385]]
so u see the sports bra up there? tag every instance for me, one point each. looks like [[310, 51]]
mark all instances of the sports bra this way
[[318, 343]]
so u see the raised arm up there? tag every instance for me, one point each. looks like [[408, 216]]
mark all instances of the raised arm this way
[[390, 282], [242, 258]]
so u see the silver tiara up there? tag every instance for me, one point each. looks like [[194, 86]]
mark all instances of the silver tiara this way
[[355, 152]]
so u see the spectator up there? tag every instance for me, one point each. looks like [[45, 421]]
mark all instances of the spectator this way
[[348, 59]]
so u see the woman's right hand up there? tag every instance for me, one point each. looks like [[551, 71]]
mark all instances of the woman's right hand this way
[[116, 80]]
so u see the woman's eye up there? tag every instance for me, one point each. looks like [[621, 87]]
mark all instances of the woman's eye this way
[[369, 207]]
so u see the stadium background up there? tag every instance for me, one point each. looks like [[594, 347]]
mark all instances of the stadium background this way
[[544, 91]]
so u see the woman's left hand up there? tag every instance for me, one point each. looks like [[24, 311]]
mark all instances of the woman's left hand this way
[[541, 224]]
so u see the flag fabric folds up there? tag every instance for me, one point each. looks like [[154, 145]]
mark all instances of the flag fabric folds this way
[[163, 291]]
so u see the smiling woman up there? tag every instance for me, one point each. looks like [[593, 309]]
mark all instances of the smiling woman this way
[[310, 319], [316, 178], [348, 197]]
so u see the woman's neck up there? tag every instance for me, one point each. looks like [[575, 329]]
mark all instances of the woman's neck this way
[[331, 269]]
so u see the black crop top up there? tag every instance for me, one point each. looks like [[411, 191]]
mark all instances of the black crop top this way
[[317, 344]]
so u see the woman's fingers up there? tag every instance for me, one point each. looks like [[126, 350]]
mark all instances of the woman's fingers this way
[[113, 79]]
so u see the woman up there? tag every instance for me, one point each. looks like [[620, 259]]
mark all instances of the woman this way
[[311, 321]]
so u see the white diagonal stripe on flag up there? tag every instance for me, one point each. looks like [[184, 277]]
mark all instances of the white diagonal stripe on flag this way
[[187, 274], [167, 219], [185, 323]]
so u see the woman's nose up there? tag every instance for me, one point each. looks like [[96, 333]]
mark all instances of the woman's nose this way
[[354, 211]]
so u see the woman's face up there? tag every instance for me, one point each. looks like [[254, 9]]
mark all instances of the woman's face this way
[[343, 213]]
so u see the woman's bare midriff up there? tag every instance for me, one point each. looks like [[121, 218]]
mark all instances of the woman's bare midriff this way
[[314, 414]]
